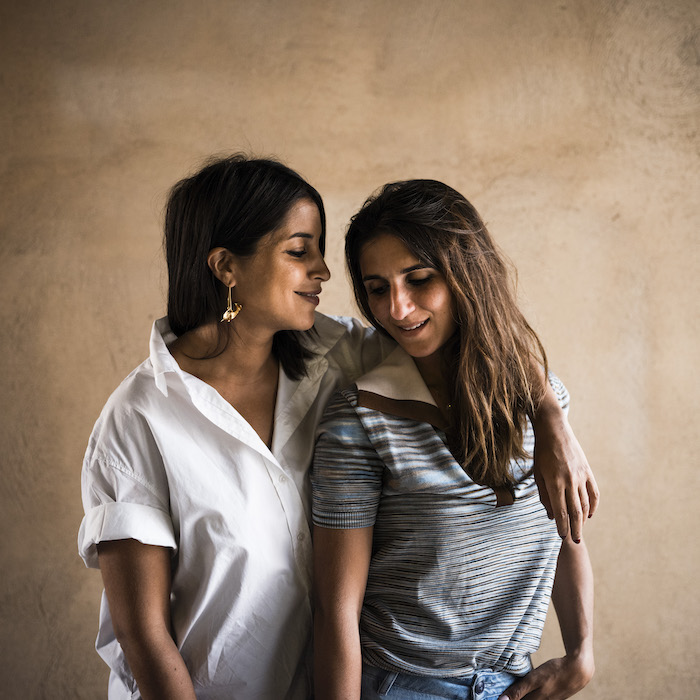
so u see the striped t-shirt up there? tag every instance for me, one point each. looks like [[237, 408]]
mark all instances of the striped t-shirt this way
[[460, 579]]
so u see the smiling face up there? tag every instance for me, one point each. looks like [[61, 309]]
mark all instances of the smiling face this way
[[408, 298], [278, 286]]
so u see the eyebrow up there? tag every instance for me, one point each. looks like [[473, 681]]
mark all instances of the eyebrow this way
[[300, 235], [405, 271]]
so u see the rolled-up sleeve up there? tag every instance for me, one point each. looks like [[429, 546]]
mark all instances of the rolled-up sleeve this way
[[121, 521], [347, 472], [124, 488]]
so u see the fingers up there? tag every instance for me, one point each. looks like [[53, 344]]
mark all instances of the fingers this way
[[593, 494], [585, 503], [519, 689], [560, 510], [579, 509], [576, 511]]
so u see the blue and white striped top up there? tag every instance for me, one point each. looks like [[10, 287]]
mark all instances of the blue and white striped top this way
[[459, 580]]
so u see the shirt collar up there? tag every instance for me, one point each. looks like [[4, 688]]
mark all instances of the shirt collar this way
[[396, 387], [161, 359]]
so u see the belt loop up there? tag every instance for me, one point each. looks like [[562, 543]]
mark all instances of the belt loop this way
[[387, 683]]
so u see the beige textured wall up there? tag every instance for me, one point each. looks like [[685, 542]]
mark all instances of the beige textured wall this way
[[573, 126]]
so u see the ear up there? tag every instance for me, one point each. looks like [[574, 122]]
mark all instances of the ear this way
[[221, 262]]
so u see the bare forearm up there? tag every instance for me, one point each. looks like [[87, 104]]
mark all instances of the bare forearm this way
[[337, 660], [157, 666], [572, 596], [137, 583], [341, 562]]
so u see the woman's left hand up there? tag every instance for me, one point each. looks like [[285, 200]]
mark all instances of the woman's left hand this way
[[555, 679]]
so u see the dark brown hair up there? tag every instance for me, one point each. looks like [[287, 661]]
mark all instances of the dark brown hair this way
[[232, 202], [492, 360]]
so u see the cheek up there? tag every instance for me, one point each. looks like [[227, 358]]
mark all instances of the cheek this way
[[442, 303], [376, 307]]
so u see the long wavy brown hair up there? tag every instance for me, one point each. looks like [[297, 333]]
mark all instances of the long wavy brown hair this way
[[493, 362]]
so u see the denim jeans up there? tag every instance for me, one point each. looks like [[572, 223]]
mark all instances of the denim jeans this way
[[378, 684]]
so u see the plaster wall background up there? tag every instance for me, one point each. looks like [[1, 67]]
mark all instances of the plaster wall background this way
[[572, 126]]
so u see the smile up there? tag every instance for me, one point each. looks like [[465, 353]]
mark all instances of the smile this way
[[312, 297], [413, 328]]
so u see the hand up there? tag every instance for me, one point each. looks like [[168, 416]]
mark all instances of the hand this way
[[567, 487], [556, 679]]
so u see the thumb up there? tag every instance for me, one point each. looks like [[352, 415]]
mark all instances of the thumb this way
[[518, 690]]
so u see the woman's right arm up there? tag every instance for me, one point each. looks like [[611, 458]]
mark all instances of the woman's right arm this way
[[341, 563], [137, 582]]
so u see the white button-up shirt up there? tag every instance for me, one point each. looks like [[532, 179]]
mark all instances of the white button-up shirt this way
[[171, 463]]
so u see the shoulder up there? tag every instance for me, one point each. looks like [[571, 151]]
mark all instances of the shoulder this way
[[339, 333], [340, 410], [124, 428], [347, 346], [133, 395], [329, 330]]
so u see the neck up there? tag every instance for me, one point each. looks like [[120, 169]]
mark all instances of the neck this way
[[235, 354], [431, 370]]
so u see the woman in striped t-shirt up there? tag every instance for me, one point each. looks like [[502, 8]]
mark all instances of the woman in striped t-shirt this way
[[434, 558]]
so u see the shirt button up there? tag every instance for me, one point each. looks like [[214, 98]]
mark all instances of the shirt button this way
[[283, 479], [300, 537], [479, 687]]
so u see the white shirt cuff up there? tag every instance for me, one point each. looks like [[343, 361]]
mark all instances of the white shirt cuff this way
[[121, 521]]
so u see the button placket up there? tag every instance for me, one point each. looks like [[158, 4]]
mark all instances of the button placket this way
[[293, 509]]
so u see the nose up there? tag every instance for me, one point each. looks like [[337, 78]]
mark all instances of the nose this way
[[401, 304], [319, 270]]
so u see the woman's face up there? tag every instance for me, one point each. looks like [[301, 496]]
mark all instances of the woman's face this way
[[409, 299], [278, 286]]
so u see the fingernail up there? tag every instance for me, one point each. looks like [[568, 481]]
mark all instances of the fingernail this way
[[577, 541]]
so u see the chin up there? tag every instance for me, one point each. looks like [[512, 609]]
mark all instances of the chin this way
[[304, 326], [418, 353]]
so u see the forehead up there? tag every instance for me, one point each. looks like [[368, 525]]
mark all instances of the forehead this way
[[303, 217], [385, 252]]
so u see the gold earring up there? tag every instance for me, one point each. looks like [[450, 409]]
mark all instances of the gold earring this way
[[232, 310]]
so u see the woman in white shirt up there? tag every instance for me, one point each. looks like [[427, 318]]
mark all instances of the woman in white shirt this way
[[195, 482]]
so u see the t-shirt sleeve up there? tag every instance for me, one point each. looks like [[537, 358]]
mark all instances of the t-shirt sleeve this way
[[347, 472], [124, 487], [560, 391]]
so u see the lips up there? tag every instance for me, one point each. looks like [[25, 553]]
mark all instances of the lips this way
[[415, 327], [311, 297]]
